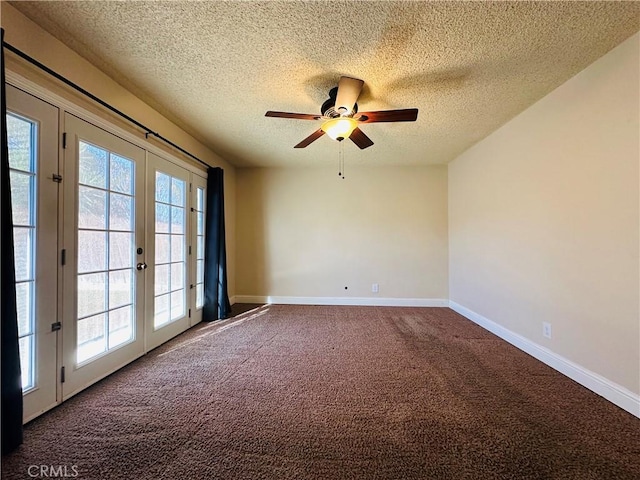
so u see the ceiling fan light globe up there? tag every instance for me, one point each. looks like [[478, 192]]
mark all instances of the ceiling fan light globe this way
[[339, 128]]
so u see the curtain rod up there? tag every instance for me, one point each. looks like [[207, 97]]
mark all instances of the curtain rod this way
[[77, 87]]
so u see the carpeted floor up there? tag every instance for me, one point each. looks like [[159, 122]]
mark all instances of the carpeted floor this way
[[325, 392]]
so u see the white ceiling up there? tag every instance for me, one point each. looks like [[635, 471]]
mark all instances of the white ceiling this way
[[215, 68]]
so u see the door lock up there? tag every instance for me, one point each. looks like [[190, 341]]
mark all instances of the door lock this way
[[141, 266]]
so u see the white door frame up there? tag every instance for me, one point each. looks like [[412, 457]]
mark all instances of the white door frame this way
[[158, 336], [79, 376], [44, 394]]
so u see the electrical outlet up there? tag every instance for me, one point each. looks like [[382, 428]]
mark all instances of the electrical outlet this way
[[546, 329], [375, 288]]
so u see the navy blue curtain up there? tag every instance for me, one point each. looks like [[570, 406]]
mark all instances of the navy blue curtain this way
[[216, 297], [11, 378]]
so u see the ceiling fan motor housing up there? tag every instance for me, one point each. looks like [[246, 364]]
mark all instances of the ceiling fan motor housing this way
[[328, 107]]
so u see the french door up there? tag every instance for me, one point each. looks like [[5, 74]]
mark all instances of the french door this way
[[127, 239], [32, 127], [168, 291], [109, 249], [104, 274]]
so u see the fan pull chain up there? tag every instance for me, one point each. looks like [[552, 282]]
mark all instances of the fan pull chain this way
[[341, 161]]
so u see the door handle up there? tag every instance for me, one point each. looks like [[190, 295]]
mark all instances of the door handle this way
[[141, 266]]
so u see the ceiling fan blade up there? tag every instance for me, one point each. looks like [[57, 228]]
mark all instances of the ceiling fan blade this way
[[403, 115], [311, 138], [348, 92], [298, 116], [360, 139]]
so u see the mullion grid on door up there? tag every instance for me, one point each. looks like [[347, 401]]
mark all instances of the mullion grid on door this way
[[200, 192], [106, 200], [170, 239], [22, 135]]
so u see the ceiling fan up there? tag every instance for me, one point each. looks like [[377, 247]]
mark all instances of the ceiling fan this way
[[341, 116]]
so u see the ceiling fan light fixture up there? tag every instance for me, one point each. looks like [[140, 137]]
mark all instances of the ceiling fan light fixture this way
[[339, 128], [339, 111]]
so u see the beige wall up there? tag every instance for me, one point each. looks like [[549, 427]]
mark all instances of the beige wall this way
[[37, 43], [308, 233], [544, 220]]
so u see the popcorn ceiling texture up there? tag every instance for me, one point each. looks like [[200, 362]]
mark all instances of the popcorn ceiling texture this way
[[215, 68]]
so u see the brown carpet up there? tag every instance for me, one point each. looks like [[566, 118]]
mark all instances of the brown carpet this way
[[324, 392]]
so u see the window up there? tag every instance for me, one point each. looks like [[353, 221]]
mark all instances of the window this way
[[199, 247], [170, 241], [22, 134], [105, 251]]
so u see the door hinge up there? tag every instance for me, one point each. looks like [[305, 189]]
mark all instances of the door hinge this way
[[56, 326], [189, 313], [63, 256], [64, 140], [56, 178], [62, 375], [191, 286], [189, 249], [190, 185]]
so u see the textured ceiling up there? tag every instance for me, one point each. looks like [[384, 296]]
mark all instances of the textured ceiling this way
[[215, 68]]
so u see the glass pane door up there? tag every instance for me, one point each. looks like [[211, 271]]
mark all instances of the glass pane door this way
[[106, 251], [198, 200], [89, 217], [170, 241], [167, 232], [23, 133], [32, 128], [104, 237]]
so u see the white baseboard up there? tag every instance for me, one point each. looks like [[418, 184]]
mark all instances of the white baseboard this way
[[361, 301], [613, 392]]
